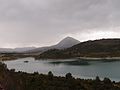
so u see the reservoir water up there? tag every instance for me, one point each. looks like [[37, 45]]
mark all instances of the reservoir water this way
[[81, 69]]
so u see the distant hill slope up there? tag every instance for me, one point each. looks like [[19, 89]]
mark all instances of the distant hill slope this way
[[18, 50], [96, 48], [65, 43], [103, 47]]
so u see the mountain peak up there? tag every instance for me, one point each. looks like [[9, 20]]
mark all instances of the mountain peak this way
[[67, 42], [68, 37]]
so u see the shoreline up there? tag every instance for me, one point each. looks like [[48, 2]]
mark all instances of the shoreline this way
[[98, 58], [80, 58]]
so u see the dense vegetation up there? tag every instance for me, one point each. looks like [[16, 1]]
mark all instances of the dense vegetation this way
[[12, 56], [54, 54], [97, 48], [10, 80]]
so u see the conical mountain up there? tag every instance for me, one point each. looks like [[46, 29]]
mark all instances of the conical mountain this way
[[65, 43]]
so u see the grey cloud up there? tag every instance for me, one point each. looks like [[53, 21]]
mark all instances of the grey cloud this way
[[44, 22]]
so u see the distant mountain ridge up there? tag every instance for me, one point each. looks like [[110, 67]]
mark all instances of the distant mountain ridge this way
[[96, 48], [63, 44], [17, 50]]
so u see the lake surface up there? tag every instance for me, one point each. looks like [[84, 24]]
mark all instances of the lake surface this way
[[84, 69]]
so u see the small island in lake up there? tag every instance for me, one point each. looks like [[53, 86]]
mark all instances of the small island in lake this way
[[26, 61]]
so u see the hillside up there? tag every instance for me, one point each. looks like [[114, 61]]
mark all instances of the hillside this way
[[96, 48]]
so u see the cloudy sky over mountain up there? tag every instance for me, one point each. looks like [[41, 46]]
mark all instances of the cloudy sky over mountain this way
[[45, 22]]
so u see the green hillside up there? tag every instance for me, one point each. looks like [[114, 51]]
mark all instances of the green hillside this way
[[96, 48]]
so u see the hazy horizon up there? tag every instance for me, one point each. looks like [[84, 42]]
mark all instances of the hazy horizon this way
[[27, 23], [34, 46]]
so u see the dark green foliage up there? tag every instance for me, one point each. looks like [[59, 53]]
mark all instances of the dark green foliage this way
[[107, 81], [68, 76], [50, 75], [97, 79], [10, 80]]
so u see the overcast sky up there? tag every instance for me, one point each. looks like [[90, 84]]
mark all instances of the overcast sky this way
[[45, 22]]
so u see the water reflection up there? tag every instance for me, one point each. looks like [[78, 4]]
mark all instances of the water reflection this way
[[75, 62]]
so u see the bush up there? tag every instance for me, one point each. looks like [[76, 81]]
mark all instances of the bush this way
[[50, 75], [68, 76]]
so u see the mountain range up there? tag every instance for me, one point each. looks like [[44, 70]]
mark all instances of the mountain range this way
[[15, 50], [96, 48], [70, 48], [65, 43]]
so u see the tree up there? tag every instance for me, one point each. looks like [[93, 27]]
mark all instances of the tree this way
[[50, 75], [68, 76], [97, 79], [107, 81]]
